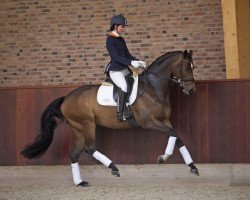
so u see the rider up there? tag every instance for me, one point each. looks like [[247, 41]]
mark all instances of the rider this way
[[120, 60]]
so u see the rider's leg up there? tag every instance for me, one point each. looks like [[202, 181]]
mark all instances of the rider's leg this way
[[118, 77], [121, 105]]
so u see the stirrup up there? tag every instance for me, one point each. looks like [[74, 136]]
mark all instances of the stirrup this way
[[124, 116], [120, 117], [128, 113]]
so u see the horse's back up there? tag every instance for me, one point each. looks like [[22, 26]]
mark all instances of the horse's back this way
[[82, 91]]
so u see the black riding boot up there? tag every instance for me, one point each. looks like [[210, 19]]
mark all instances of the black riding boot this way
[[123, 112]]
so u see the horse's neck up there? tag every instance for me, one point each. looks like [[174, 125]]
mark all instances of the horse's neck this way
[[164, 69], [159, 85], [160, 78]]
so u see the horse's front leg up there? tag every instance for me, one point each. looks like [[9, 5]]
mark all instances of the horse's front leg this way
[[186, 156], [103, 159], [172, 141], [175, 140]]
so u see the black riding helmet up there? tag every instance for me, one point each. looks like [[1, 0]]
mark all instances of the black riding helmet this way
[[118, 20]]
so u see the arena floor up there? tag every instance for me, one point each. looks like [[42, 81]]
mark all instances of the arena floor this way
[[168, 181]]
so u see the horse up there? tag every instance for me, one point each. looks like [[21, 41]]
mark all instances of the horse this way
[[151, 109]]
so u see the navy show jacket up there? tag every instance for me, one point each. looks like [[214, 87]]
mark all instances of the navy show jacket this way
[[119, 53]]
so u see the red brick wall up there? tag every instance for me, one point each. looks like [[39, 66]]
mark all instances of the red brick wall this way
[[49, 42]]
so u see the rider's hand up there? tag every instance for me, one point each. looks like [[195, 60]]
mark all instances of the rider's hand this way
[[142, 64], [135, 63]]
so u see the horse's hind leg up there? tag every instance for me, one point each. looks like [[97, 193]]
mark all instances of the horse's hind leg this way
[[74, 156], [89, 130]]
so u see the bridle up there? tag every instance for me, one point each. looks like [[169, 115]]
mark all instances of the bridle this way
[[182, 81]]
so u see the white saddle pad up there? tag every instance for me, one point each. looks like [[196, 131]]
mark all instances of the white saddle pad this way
[[105, 94]]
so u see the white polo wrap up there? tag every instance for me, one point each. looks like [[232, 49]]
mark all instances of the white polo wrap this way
[[170, 147], [76, 173], [186, 155], [165, 157], [102, 158]]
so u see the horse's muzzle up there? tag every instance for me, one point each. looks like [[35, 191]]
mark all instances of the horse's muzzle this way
[[189, 88]]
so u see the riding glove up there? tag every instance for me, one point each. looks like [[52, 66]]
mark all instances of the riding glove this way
[[143, 64], [138, 64]]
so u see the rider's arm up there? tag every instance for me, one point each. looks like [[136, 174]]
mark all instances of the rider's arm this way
[[114, 54], [128, 55]]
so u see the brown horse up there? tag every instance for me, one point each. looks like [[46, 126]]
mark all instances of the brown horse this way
[[151, 111]]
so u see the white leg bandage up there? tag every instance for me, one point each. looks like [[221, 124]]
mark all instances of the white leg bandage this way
[[102, 158], [76, 173], [170, 147], [165, 157], [186, 155]]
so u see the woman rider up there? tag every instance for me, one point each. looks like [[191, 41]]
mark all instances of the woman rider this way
[[118, 68]]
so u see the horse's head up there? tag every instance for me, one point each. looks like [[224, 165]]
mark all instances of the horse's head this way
[[176, 66], [183, 73]]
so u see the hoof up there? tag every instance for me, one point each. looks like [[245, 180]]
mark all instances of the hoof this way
[[161, 160], [115, 173], [195, 171], [83, 184]]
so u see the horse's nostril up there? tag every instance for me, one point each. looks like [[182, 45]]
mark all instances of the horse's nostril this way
[[192, 90]]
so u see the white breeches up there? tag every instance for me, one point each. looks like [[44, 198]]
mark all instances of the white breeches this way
[[118, 77]]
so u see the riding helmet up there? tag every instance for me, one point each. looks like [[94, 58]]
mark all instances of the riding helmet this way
[[119, 20]]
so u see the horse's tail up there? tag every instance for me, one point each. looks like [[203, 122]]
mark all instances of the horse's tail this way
[[48, 125]]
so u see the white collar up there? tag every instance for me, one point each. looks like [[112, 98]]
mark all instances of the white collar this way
[[116, 34]]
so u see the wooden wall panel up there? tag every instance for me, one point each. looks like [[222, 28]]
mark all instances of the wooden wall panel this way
[[227, 120], [8, 127], [213, 133], [193, 126], [242, 139], [247, 131], [214, 124], [202, 120], [26, 121]]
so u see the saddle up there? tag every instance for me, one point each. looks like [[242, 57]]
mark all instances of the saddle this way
[[107, 94], [130, 81]]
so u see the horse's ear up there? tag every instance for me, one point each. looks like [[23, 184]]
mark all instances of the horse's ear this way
[[185, 53], [190, 52]]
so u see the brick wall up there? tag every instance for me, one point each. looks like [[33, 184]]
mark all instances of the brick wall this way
[[49, 42]]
